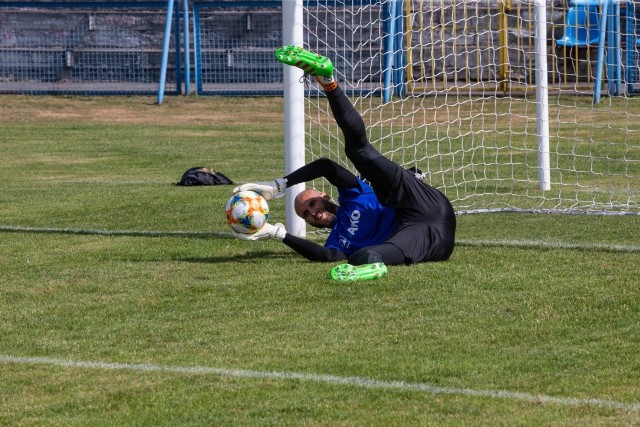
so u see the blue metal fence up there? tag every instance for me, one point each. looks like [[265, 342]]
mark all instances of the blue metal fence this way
[[632, 45], [104, 47], [92, 48], [233, 48]]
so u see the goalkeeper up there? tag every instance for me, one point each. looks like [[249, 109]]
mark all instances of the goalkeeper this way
[[397, 220]]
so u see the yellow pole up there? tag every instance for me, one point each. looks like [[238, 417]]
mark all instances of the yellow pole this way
[[408, 32], [504, 6]]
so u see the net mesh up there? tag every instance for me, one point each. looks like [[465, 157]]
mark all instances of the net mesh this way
[[461, 104]]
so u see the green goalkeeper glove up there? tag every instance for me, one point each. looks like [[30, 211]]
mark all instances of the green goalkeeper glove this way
[[268, 190], [267, 231]]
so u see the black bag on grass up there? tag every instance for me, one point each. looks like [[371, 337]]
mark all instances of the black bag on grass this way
[[203, 176]]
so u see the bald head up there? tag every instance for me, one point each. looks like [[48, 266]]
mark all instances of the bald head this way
[[316, 208]]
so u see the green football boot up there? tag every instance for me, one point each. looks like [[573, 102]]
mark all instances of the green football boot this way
[[311, 63], [349, 273]]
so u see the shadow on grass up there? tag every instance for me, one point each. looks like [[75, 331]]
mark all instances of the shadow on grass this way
[[247, 256]]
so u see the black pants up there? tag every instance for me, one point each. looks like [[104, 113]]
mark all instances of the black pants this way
[[426, 220]]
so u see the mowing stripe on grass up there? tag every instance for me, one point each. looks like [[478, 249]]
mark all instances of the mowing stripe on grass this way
[[462, 242], [362, 382], [550, 245]]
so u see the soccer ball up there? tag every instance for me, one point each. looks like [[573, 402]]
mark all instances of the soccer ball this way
[[247, 212]]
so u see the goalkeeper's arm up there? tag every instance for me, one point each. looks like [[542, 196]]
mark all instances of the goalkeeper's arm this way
[[333, 172], [308, 249], [327, 168], [313, 251]]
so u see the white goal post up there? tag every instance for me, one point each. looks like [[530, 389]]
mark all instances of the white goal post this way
[[479, 96], [294, 137]]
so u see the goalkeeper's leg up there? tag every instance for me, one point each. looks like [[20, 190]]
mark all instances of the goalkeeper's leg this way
[[311, 63], [372, 165], [385, 253], [350, 273], [368, 263]]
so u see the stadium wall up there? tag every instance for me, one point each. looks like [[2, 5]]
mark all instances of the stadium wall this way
[[233, 40], [86, 47]]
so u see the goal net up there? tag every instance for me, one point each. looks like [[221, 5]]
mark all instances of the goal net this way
[[449, 86]]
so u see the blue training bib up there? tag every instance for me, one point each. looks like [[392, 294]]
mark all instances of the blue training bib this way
[[361, 220]]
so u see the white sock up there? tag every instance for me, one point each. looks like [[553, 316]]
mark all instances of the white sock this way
[[324, 80]]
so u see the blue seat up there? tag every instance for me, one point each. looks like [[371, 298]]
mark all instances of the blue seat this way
[[582, 25]]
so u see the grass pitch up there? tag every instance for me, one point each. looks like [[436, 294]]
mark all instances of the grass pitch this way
[[125, 301]]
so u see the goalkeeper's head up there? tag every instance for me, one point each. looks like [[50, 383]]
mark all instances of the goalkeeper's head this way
[[316, 208]]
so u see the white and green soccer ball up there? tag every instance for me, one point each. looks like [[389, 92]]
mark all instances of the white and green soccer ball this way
[[247, 212]]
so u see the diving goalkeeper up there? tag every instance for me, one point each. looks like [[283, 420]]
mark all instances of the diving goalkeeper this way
[[398, 219]]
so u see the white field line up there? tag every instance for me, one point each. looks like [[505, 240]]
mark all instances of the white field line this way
[[95, 232], [463, 242], [362, 382]]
